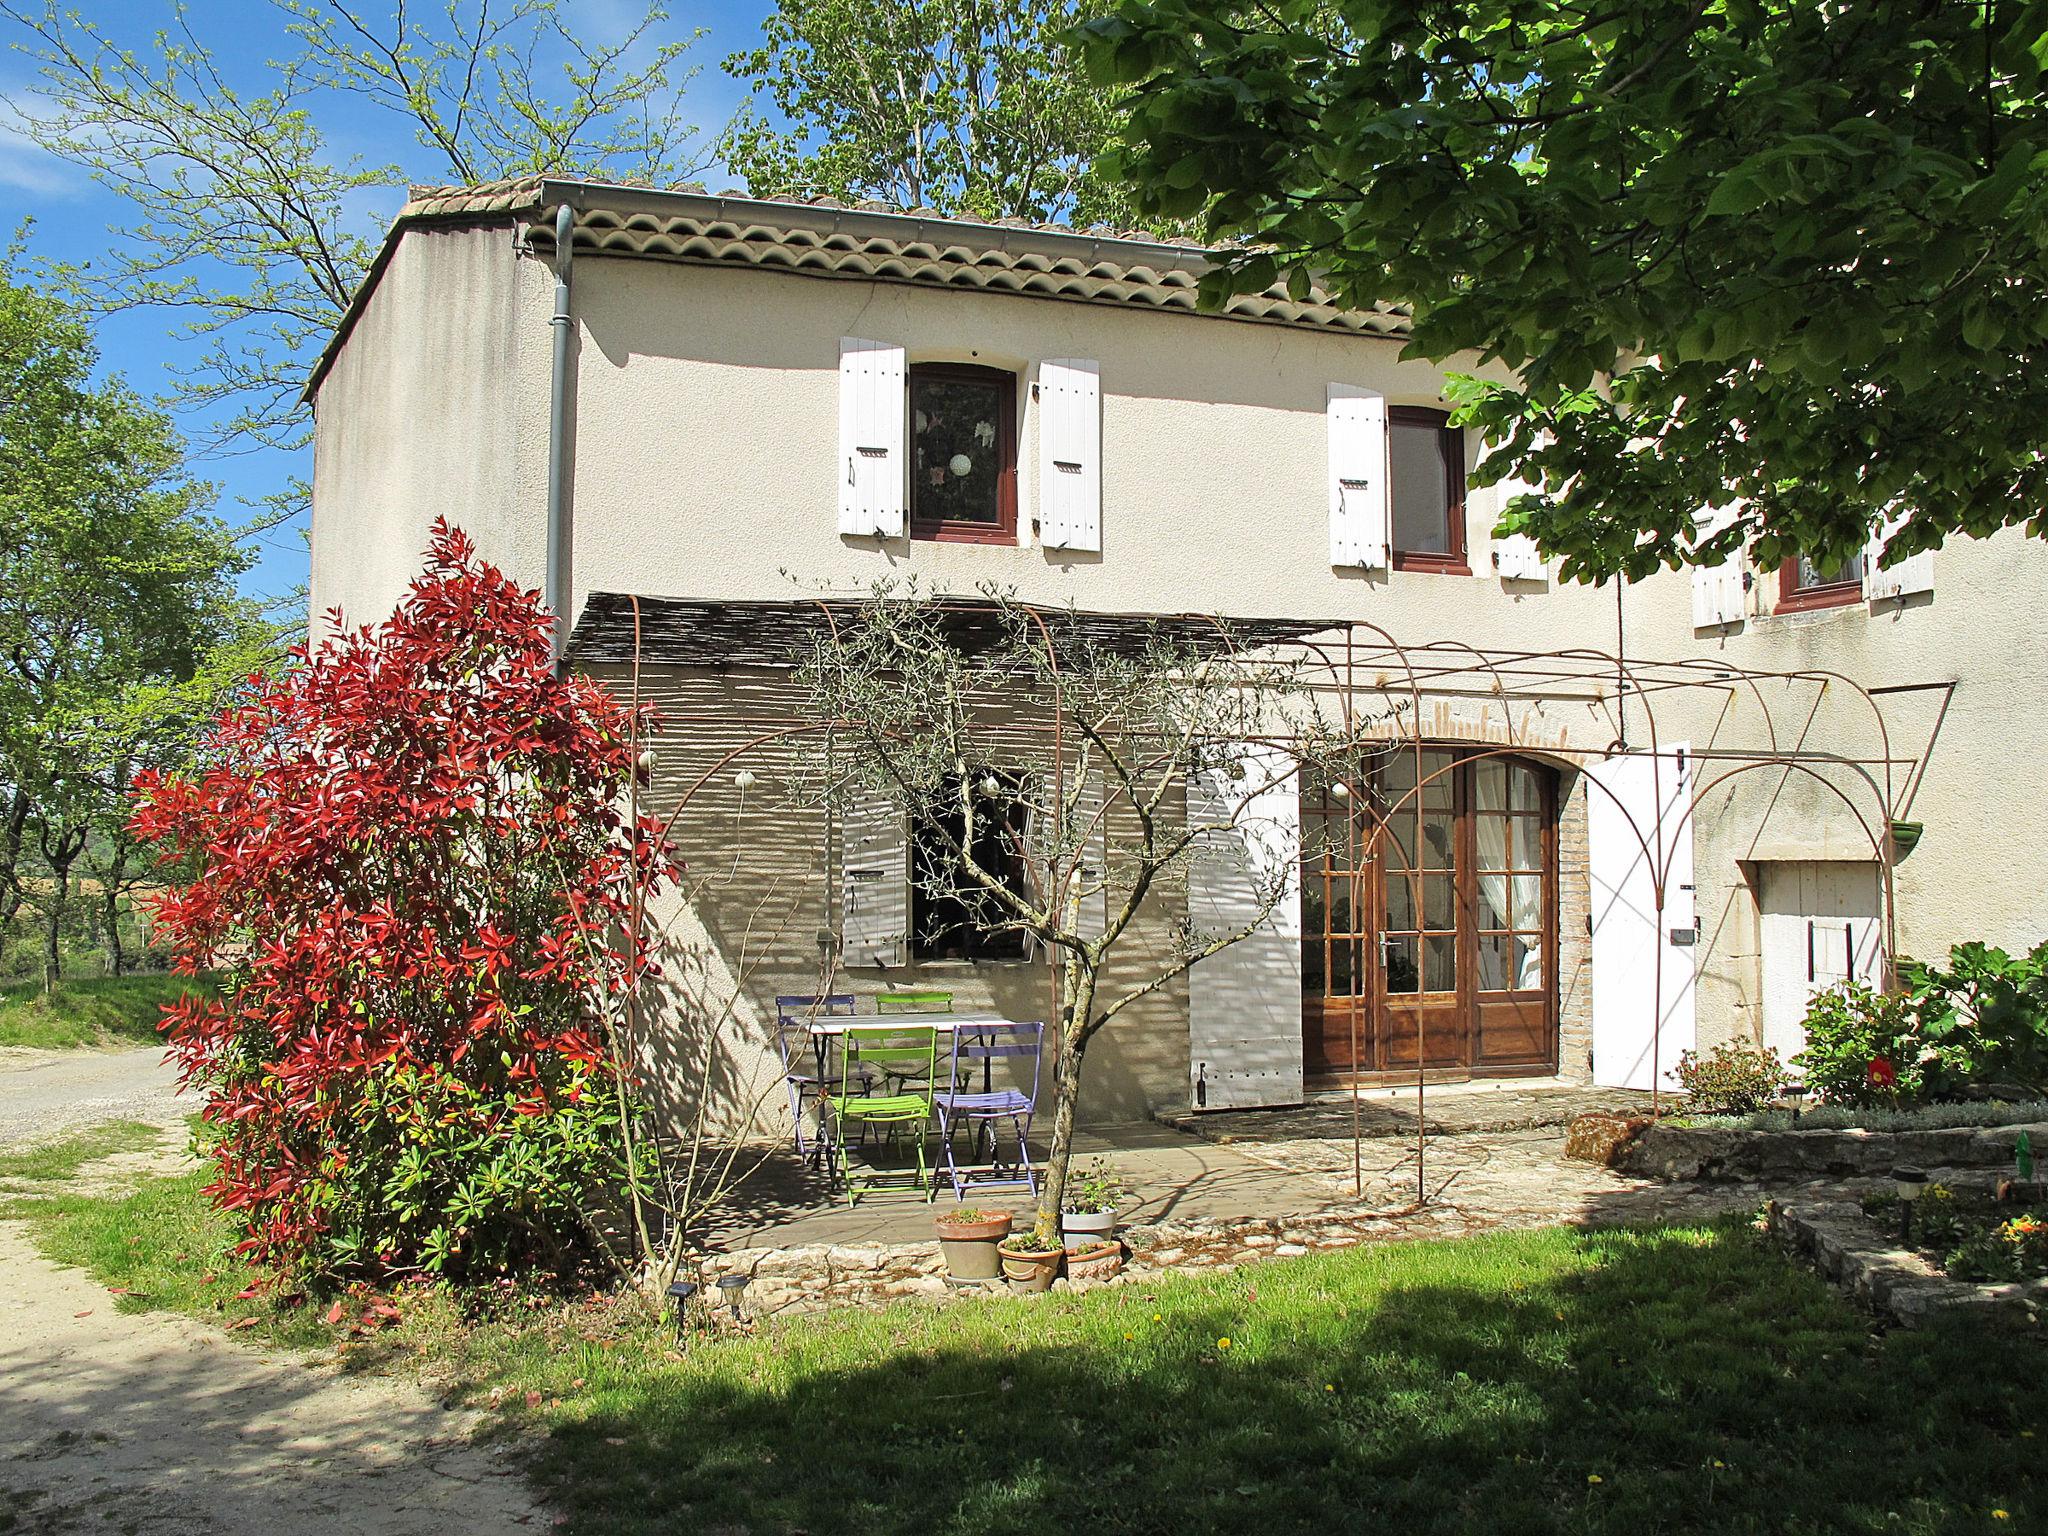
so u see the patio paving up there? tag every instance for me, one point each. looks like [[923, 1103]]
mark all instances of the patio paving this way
[[1450, 1109], [1177, 1177]]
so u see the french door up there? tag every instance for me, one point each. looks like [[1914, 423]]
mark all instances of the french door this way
[[1429, 914]]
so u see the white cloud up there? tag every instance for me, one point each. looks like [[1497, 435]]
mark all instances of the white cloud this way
[[27, 167]]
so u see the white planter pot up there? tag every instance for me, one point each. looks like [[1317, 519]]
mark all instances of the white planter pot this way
[[1078, 1229]]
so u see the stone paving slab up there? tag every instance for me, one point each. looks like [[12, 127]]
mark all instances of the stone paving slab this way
[[1460, 1109]]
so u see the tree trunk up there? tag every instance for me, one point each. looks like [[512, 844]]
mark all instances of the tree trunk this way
[[1066, 1094], [1059, 1151], [10, 862], [110, 913], [53, 959], [60, 855]]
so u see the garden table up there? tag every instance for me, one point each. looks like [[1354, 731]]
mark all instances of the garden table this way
[[825, 1029]]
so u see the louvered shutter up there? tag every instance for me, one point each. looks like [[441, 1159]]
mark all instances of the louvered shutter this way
[[874, 885], [1913, 574], [1357, 426], [1717, 590], [1244, 1001], [872, 406], [1089, 892], [1070, 453], [1515, 555]]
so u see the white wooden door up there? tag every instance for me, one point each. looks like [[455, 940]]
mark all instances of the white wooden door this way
[[1638, 832], [1819, 923]]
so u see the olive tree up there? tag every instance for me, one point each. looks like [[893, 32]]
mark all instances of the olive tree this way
[[1065, 783]]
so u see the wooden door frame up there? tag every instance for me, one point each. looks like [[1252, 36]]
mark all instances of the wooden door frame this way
[[1368, 918]]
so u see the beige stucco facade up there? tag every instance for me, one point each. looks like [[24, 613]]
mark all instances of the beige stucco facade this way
[[703, 463]]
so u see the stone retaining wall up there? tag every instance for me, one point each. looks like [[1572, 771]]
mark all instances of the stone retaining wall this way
[[1850, 1249], [1683, 1152]]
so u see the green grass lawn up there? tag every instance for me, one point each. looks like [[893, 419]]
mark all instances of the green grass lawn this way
[[1663, 1380], [108, 1012]]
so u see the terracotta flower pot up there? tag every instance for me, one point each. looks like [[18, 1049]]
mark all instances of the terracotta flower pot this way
[[1030, 1271], [970, 1246], [1097, 1261], [1086, 1229], [992, 1229]]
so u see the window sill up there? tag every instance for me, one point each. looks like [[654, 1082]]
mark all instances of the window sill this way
[[963, 533], [1815, 599], [1436, 565]]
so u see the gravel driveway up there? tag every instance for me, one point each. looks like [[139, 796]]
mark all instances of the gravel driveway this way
[[44, 1094], [145, 1422]]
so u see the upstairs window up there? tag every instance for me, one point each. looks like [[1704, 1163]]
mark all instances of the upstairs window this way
[[1804, 584], [963, 453], [952, 917], [1426, 486]]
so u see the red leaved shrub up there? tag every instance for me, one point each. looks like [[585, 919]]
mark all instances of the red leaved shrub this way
[[418, 881]]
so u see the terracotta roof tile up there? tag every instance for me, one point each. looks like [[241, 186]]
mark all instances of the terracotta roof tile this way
[[823, 236]]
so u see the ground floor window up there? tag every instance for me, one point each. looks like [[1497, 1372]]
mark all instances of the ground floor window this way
[[1435, 937], [952, 917]]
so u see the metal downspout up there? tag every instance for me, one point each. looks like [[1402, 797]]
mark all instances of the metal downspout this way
[[558, 426]]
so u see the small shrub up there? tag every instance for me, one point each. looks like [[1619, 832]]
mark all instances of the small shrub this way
[[1976, 1026], [417, 879], [1912, 1117], [1733, 1078], [1862, 1048], [1099, 1187]]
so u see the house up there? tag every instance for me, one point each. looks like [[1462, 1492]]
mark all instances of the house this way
[[718, 408]]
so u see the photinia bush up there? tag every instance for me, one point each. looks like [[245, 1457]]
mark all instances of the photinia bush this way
[[420, 884]]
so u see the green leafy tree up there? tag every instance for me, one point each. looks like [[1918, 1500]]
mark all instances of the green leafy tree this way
[[249, 219], [964, 106], [1775, 255], [116, 598]]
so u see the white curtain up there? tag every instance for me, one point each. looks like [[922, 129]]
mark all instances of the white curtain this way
[[1489, 795]]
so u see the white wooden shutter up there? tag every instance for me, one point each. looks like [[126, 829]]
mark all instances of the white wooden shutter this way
[[1070, 453], [1717, 590], [1244, 1002], [872, 407], [1089, 892], [1515, 555], [874, 885], [1357, 423], [1913, 574], [1637, 828]]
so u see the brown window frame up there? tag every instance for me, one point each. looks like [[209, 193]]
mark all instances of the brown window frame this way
[[1451, 443], [1793, 598], [953, 531]]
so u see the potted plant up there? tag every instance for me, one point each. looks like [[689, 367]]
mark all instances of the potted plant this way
[[1095, 1261], [968, 1238], [1031, 1260], [1088, 1209]]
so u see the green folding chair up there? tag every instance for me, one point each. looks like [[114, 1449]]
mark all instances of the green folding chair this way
[[904, 1053], [927, 1001]]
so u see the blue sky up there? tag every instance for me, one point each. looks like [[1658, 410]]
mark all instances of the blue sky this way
[[72, 216]]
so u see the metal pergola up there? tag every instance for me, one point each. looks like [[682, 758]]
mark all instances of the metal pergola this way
[[1347, 664]]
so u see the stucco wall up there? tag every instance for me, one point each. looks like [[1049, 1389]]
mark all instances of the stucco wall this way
[[437, 405], [705, 465]]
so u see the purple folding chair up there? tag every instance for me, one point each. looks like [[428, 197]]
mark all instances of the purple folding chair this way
[[806, 1069], [981, 1113]]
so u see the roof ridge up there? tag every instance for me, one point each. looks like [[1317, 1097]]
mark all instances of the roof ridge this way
[[509, 192]]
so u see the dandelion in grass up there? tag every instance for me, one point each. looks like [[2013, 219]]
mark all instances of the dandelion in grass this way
[[1223, 1343], [1592, 1477]]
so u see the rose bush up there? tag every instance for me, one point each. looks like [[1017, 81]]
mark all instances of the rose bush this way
[[421, 889]]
